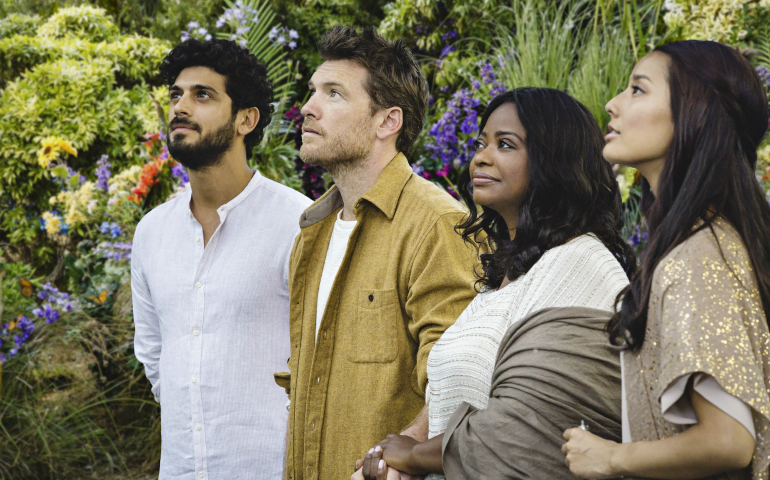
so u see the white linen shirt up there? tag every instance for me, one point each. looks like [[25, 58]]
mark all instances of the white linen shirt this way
[[212, 325]]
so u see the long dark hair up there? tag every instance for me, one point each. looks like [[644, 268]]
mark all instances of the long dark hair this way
[[571, 188], [720, 114]]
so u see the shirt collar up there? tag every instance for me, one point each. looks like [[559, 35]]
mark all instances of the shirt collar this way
[[250, 187], [384, 194]]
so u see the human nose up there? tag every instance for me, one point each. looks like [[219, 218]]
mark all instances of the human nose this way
[[611, 107], [183, 106], [481, 157], [309, 109]]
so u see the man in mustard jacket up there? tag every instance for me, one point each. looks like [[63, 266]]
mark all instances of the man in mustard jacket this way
[[377, 272]]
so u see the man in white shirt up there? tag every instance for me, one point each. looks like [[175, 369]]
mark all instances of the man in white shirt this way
[[209, 275]]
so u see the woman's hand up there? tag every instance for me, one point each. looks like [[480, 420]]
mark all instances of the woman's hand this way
[[397, 452], [589, 456], [374, 468]]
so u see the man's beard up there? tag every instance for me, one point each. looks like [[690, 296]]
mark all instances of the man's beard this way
[[339, 151], [207, 151]]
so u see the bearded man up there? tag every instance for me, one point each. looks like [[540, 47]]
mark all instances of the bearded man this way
[[377, 272], [209, 275]]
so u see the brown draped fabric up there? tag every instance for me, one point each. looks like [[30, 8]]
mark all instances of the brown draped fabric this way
[[554, 369]]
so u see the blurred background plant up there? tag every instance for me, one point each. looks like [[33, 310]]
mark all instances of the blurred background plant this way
[[83, 157]]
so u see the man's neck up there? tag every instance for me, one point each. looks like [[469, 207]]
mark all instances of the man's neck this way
[[354, 180], [217, 185]]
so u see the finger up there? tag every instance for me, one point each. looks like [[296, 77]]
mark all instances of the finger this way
[[359, 463], [382, 470], [564, 448], [374, 462], [358, 475], [568, 433], [368, 471]]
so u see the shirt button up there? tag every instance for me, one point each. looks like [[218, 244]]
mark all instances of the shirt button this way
[[371, 298], [318, 380], [312, 426], [196, 332], [198, 427], [200, 474], [198, 285], [324, 334], [194, 380], [197, 239]]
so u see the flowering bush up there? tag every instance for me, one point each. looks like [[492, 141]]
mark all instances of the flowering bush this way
[[727, 21]]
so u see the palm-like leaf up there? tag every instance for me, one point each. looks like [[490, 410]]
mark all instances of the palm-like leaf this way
[[273, 55], [762, 46]]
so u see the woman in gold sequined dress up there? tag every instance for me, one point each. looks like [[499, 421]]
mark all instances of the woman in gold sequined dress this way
[[696, 365]]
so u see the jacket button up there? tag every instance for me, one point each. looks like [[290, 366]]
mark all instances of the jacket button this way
[[371, 298]]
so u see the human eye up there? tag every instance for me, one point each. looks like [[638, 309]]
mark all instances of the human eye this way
[[636, 89], [334, 93], [173, 95], [477, 145], [312, 92], [204, 94], [505, 144]]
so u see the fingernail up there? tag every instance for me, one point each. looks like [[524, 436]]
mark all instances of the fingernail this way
[[381, 464], [378, 448], [371, 450]]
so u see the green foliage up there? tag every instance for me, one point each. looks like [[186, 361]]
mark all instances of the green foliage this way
[[85, 22], [424, 22], [94, 94], [602, 71], [16, 24]]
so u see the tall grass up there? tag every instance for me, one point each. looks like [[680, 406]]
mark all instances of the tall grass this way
[[584, 48], [74, 404]]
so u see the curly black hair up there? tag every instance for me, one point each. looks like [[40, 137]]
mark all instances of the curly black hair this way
[[247, 83], [571, 189]]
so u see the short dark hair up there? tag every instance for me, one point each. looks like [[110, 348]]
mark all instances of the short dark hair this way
[[571, 190], [394, 79], [246, 81]]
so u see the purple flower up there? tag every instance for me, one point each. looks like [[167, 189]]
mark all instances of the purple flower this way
[[446, 51], [103, 173], [449, 36], [178, 171]]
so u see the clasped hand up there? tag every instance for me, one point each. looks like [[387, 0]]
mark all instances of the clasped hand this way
[[388, 460]]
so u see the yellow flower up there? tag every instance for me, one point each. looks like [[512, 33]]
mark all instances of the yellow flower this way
[[52, 223], [51, 148]]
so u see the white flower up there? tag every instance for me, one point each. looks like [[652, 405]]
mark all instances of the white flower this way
[[292, 44], [202, 31], [193, 25], [221, 22], [242, 42], [208, 37], [293, 34], [281, 40], [273, 33]]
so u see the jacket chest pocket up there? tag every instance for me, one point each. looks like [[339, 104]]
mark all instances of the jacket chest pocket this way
[[374, 333]]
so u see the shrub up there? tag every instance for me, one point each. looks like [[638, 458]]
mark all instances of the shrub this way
[[84, 22]]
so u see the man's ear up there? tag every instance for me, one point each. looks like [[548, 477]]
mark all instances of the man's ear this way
[[392, 121], [247, 120]]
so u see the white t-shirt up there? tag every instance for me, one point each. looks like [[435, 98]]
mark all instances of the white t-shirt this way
[[334, 255]]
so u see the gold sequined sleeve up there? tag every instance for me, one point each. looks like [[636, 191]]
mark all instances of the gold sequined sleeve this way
[[711, 319]]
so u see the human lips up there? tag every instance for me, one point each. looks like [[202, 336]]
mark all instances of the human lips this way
[[481, 179], [613, 133], [309, 131]]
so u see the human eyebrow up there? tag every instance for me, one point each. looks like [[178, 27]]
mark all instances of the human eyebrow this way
[[638, 77], [501, 133], [205, 87]]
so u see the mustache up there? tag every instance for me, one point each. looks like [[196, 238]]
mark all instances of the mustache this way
[[311, 126], [183, 121]]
